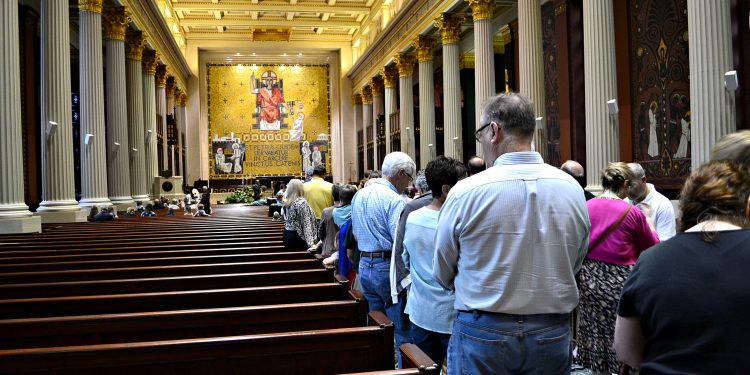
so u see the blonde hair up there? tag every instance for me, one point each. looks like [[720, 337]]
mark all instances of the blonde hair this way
[[294, 190], [615, 175]]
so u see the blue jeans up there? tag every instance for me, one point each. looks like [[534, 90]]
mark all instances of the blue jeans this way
[[487, 343], [373, 273], [434, 344]]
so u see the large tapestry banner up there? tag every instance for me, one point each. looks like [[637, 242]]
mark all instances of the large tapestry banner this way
[[267, 120]]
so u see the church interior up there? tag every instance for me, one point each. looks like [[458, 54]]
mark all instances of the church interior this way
[[123, 102]]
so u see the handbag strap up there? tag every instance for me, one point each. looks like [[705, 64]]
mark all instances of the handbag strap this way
[[611, 228]]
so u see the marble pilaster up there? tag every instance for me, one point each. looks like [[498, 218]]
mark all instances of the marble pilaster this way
[[450, 27], [484, 68], [390, 82], [427, 150], [366, 122], [140, 185], [377, 110], [357, 100], [405, 65], [161, 112], [150, 62]]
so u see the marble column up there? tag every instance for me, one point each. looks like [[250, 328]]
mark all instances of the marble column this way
[[405, 65], [15, 216], [377, 110], [531, 65], [58, 180], [390, 81], [161, 112], [367, 121], [484, 53], [118, 145], [169, 91], [427, 151], [140, 186], [179, 115], [357, 100], [600, 73], [93, 140], [712, 106], [150, 62], [450, 28]]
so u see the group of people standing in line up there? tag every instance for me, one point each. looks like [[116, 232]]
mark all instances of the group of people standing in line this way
[[487, 268]]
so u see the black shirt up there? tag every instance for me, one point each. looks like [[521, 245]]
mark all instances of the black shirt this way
[[693, 300]]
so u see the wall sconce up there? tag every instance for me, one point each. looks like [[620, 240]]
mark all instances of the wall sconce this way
[[540, 122], [88, 139], [612, 107], [51, 127], [117, 145], [149, 133], [730, 80]]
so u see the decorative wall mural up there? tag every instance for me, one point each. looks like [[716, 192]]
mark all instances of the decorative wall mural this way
[[267, 120], [552, 118], [661, 88]]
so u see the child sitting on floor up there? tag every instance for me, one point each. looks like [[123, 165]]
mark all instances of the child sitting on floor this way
[[201, 211]]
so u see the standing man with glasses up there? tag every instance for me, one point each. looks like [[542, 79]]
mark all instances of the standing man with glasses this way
[[375, 215], [509, 242]]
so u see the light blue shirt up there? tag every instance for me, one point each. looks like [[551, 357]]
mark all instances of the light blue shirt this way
[[429, 305], [375, 213], [510, 239]]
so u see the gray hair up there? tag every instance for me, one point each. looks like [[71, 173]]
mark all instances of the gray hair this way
[[637, 170], [734, 146], [511, 111], [294, 190], [396, 161], [421, 182]]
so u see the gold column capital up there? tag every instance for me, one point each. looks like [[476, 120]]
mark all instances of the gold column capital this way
[[466, 61], [377, 86], [390, 76], [404, 63], [424, 44], [181, 98], [150, 60], [134, 41], [116, 19], [481, 9], [170, 87], [357, 99], [449, 25], [90, 5], [498, 44], [366, 95], [505, 33], [161, 75]]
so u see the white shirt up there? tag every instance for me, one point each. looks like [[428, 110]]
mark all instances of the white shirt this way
[[662, 213], [511, 238]]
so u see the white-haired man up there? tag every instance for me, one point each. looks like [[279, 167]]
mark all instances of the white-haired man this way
[[654, 204], [375, 215], [509, 240]]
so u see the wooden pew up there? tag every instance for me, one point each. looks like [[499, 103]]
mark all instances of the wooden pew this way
[[304, 352], [155, 271], [180, 324], [414, 361], [163, 284], [163, 301]]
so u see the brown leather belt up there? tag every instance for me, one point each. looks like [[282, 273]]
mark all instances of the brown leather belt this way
[[376, 254]]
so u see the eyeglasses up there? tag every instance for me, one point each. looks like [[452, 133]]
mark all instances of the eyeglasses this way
[[411, 178], [479, 131]]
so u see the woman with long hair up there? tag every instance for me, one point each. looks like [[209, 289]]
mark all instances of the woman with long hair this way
[[299, 218], [619, 233], [684, 307]]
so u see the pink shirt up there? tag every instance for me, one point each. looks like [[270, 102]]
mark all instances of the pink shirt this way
[[624, 244]]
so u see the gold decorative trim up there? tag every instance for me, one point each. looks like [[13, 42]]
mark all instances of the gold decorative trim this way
[[116, 20], [449, 25], [405, 64], [134, 41], [466, 61], [90, 5], [170, 87], [561, 9], [366, 95], [507, 36], [481, 9], [161, 75], [357, 99], [390, 76], [498, 44], [150, 60], [424, 44], [377, 86], [182, 99]]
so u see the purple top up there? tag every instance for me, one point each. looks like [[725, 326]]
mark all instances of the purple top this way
[[624, 244]]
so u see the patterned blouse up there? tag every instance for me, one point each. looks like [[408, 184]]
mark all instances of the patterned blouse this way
[[301, 218]]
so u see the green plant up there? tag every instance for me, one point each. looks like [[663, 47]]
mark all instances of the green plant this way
[[243, 195]]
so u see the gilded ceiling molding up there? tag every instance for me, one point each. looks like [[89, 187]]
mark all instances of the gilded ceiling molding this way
[[377, 86], [161, 75], [115, 20], [90, 5], [404, 63], [449, 25], [390, 76], [150, 60], [366, 95], [134, 40], [357, 99], [481, 9], [424, 44]]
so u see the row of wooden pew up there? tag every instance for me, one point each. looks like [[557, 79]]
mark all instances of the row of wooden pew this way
[[183, 295]]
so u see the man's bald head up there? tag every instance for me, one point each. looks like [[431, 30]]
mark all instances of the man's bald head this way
[[575, 169], [475, 165]]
